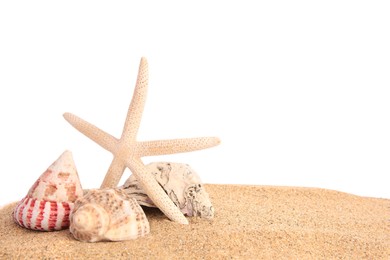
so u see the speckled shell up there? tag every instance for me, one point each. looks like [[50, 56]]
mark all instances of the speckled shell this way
[[182, 184], [49, 201], [108, 215]]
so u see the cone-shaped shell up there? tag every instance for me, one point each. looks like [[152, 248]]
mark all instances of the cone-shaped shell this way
[[49, 201], [60, 182], [108, 215], [182, 184]]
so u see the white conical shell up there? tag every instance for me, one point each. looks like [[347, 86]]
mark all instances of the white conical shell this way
[[107, 215], [182, 184], [49, 201]]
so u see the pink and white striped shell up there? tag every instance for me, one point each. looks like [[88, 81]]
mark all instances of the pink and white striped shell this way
[[182, 184], [49, 201], [108, 215]]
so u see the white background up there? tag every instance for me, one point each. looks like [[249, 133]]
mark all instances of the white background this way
[[298, 91]]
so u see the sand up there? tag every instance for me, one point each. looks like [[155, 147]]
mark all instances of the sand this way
[[251, 222]]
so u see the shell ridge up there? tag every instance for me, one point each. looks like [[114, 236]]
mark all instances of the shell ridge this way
[[35, 213], [107, 214], [30, 213], [24, 212], [67, 207], [18, 211]]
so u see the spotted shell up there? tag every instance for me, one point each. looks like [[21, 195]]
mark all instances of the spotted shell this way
[[182, 184], [108, 215], [50, 200]]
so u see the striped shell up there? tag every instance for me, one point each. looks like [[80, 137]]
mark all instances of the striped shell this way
[[182, 184], [108, 215], [50, 200], [43, 215]]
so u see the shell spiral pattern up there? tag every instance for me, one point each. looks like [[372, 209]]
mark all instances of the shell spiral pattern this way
[[108, 215], [49, 201]]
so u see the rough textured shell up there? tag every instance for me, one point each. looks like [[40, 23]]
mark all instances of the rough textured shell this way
[[108, 215], [182, 184], [49, 201]]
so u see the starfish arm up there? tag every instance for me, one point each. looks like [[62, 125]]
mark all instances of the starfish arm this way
[[155, 192], [102, 138], [161, 147], [114, 174], [134, 113]]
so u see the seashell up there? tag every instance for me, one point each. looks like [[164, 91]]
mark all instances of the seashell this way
[[49, 201], [182, 184], [108, 215]]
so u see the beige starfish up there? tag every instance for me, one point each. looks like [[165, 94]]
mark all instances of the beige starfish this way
[[128, 152]]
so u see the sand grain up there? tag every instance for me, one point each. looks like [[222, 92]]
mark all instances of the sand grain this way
[[250, 222]]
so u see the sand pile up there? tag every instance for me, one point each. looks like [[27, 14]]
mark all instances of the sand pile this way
[[250, 222]]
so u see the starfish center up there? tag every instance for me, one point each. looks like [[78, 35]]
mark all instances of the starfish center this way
[[126, 150]]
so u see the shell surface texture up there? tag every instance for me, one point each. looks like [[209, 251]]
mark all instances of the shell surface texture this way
[[182, 184], [50, 200], [108, 215]]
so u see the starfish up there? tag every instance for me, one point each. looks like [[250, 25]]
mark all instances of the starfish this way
[[127, 151]]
